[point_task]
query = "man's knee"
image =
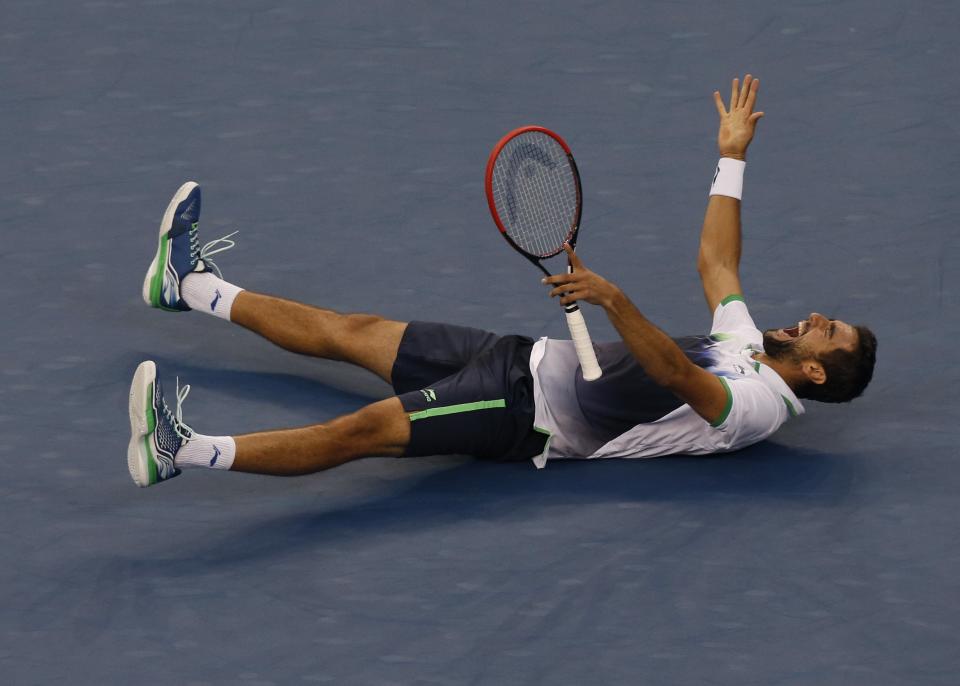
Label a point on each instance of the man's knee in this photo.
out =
(382, 428)
(369, 341)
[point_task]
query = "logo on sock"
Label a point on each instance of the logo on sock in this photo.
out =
(216, 299)
(216, 455)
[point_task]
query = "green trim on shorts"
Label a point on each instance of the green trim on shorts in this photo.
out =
(726, 408)
(731, 298)
(456, 409)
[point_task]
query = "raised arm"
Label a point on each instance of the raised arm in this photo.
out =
(719, 258)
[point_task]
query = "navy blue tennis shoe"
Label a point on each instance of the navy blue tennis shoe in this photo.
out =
(179, 252)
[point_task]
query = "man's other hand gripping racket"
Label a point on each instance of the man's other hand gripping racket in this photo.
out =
(581, 284)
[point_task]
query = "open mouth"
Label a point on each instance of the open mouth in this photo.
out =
(793, 332)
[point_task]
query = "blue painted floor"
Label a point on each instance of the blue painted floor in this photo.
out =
(347, 142)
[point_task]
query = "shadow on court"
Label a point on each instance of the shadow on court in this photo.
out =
(504, 494)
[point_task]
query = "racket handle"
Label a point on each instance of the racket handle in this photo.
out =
(583, 344)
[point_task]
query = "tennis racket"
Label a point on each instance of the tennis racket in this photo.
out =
(533, 190)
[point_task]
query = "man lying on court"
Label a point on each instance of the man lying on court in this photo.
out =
(465, 391)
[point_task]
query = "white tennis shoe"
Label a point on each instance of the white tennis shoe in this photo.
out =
(156, 433)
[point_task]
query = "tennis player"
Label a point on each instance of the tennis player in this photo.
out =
(464, 391)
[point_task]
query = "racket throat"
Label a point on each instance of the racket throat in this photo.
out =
(538, 265)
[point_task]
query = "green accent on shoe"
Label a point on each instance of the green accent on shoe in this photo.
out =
(156, 284)
(151, 465)
(731, 298)
(151, 427)
(726, 408)
(456, 409)
(720, 337)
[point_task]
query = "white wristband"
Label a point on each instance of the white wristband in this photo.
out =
(728, 179)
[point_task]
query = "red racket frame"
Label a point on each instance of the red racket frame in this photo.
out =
(488, 186)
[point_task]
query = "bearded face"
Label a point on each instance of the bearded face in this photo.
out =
(786, 344)
(818, 347)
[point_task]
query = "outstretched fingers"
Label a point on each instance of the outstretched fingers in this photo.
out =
(718, 101)
(752, 94)
(744, 92)
(741, 98)
(737, 123)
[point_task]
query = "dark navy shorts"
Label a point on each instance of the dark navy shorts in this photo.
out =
(468, 392)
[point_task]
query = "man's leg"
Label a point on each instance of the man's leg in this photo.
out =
(362, 339)
(182, 276)
(161, 444)
(381, 429)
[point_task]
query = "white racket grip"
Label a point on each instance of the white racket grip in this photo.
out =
(583, 345)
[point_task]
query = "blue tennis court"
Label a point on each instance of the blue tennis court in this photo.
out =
(347, 143)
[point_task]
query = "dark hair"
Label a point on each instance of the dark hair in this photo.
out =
(848, 371)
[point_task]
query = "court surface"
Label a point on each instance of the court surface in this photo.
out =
(347, 141)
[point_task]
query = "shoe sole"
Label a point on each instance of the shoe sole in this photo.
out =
(143, 422)
(153, 283)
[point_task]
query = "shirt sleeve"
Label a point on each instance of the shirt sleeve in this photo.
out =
(732, 319)
(754, 413)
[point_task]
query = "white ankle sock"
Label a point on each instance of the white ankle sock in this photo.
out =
(213, 452)
(205, 292)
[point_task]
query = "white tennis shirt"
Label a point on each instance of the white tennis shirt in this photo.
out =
(593, 419)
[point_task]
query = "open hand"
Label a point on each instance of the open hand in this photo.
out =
(582, 284)
(739, 123)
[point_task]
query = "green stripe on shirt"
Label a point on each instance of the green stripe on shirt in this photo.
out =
(726, 408)
(731, 298)
(790, 408)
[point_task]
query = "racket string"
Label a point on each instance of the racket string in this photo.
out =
(535, 193)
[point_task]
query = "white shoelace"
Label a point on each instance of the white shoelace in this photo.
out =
(176, 419)
(210, 249)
